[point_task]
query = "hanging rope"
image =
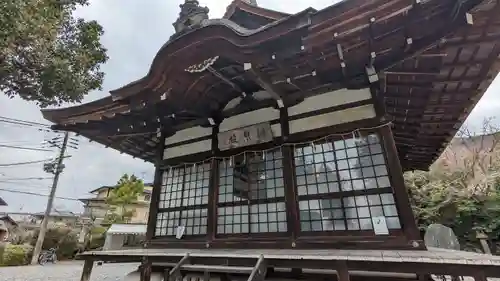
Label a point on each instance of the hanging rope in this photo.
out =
(355, 133)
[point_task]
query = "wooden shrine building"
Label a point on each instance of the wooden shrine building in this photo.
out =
(280, 140)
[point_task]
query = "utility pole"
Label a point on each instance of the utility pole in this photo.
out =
(43, 227)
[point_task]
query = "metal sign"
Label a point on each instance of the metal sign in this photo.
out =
(179, 232)
(255, 134)
(380, 226)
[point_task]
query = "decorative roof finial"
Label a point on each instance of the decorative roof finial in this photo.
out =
(251, 2)
(190, 16)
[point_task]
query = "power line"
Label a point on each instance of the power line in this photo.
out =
(24, 184)
(29, 162)
(36, 194)
(18, 123)
(25, 124)
(21, 142)
(22, 179)
(24, 148)
(24, 121)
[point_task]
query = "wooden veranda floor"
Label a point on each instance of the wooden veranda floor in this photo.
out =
(432, 261)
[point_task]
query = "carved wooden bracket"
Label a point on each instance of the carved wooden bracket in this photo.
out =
(267, 85)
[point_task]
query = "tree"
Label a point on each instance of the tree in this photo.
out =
(123, 197)
(462, 189)
(46, 54)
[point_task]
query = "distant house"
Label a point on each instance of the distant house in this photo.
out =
(120, 236)
(58, 217)
(8, 228)
(97, 208)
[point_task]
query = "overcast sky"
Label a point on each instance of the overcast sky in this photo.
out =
(134, 32)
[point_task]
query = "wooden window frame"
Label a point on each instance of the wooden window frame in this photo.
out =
(182, 207)
(341, 195)
(250, 202)
(294, 238)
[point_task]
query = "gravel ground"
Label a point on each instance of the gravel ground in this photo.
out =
(65, 271)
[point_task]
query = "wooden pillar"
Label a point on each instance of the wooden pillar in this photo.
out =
(155, 195)
(288, 179)
(206, 276)
(175, 273)
(342, 272)
(145, 269)
(480, 277)
(401, 196)
(213, 188)
(87, 270)
(483, 239)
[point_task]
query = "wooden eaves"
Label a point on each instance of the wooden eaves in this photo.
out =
(435, 60)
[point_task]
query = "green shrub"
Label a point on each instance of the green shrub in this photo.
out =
(2, 249)
(62, 238)
(15, 255)
(97, 236)
(68, 247)
(97, 242)
(98, 230)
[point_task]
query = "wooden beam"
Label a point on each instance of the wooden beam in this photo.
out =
(155, 195)
(472, 63)
(225, 80)
(411, 72)
(266, 84)
(470, 42)
(429, 82)
(419, 123)
(213, 188)
(404, 135)
(166, 273)
(259, 271)
(426, 92)
(418, 46)
(414, 113)
(293, 224)
(412, 144)
(342, 272)
(87, 270)
(175, 273)
(480, 276)
(429, 106)
(206, 275)
(145, 270)
(400, 194)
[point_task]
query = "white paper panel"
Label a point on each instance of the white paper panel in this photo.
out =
(330, 99)
(276, 128)
(249, 118)
(187, 149)
(188, 134)
(332, 118)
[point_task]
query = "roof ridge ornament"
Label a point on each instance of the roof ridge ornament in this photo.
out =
(191, 16)
(251, 2)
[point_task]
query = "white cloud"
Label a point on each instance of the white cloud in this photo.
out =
(135, 30)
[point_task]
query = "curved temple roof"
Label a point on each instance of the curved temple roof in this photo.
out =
(434, 59)
(240, 10)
